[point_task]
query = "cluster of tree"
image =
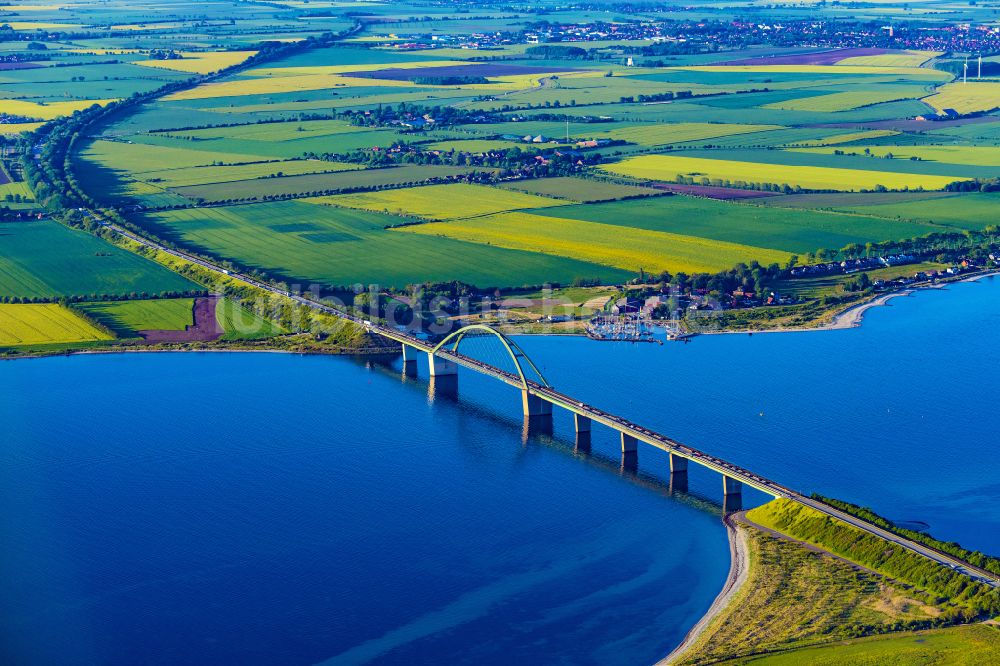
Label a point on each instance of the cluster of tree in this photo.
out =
(861, 282)
(503, 164)
(94, 297)
(973, 557)
(448, 80)
(165, 54)
(444, 116)
(977, 185)
(557, 51)
(656, 97)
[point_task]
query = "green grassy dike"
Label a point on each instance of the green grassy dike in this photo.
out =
(819, 591)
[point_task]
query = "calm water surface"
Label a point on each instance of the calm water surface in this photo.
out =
(266, 508)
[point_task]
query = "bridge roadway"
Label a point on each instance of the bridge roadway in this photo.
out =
(612, 421)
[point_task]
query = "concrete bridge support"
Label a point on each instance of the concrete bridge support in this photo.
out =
(535, 406)
(678, 473)
(732, 498)
(537, 414)
(581, 422)
(630, 453)
(409, 361)
(440, 367)
(442, 386)
(582, 426)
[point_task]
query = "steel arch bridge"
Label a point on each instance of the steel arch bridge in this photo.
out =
(475, 332)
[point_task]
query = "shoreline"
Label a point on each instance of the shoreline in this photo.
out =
(853, 316)
(739, 569)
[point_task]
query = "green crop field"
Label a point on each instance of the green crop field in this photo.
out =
(127, 318)
(958, 154)
(443, 202)
(320, 182)
(626, 248)
(844, 101)
(241, 324)
(44, 323)
(967, 645)
(139, 158)
(46, 259)
(662, 134)
(797, 231)
(671, 167)
(224, 174)
(582, 190)
(308, 242)
(968, 211)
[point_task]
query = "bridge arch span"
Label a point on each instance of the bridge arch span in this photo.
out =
(453, 342)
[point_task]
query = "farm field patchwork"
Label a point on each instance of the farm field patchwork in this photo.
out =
(314, 184)
(671, 167)
(582, 190)
(796, 231)
(44, 323)
(306, 242)
(626, 248)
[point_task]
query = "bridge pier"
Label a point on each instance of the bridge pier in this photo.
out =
(441, 367)
(582, 443)
(731, 486)
(535, 406)
(581, 422)
(678, 473)
(442, 386)
(409, 361)
(629, 444)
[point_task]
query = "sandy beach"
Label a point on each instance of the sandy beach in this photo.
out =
(738, 571)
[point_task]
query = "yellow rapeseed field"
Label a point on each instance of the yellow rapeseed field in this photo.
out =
(622, 247)
(198, 62)
(17, 128)
(670, 167)
(848, 137)
(966, 97)
(971, 155)
(905, 59)
(916, 72)
(44, 323)
(49, 110)
(442, 202)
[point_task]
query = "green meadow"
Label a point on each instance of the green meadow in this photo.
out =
(48, 260)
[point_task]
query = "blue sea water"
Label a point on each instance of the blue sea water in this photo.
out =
(279, 509)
